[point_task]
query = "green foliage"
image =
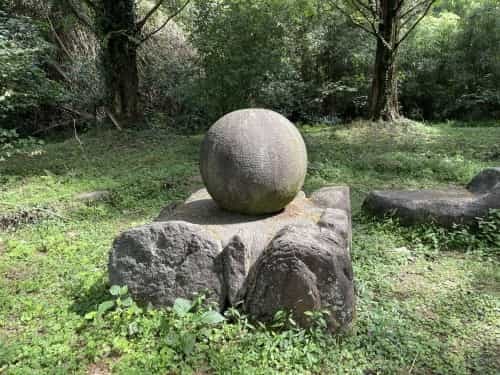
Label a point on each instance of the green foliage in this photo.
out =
(240, 46)
(296, 57)
(481, 238)
(11, 143)
(311, 65)
(449, 66)
(300, 58)
(24, 86)
(489, 229)
(169, 76)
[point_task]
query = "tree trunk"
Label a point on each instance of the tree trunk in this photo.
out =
(121, 78)
(383, 101)
(118, 34)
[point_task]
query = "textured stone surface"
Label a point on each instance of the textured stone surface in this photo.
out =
(163, 261)
(444, 207)
(305, 268)
(236, 263)
(253, 233)
(338, 198)
(485, 182)
(196, 246)
(253, 161)
(333, 197)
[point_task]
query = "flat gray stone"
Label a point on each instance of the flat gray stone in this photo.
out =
(443, 207)
(254, 232)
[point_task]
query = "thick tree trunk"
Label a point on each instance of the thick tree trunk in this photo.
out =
(119, 59)
(121, 79)
(383, 101)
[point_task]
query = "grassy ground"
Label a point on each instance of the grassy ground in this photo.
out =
(428, 300)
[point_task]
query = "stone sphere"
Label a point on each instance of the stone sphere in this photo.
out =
(253, 161)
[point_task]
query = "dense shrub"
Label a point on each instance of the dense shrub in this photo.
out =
(240, 44)
(25, 88)
(300, 58)
(168, 72)
(12, 144)
(451, 65)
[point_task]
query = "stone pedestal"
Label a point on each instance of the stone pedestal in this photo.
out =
(297, 260)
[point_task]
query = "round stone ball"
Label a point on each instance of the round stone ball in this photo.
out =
(253, 161)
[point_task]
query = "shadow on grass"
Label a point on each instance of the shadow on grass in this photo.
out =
(90, 299)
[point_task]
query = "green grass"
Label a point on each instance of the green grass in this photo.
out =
(425, 305)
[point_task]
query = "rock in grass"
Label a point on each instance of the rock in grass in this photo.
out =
(196, 247)
(253, 161)
(485, 182)
(17, 219)
(443, 207)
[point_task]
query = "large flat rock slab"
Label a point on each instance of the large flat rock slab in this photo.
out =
(443, 207)
(196, 247)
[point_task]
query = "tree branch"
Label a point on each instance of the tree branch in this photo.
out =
(56, 125)
(80, 16)
(175, 14)
(374, 7)
(369, 8)
(355, 23)
(84, 115)
(371, 22)
(413, 8)
(359, 6)
(59, 71)
(140, 24)
(113, 118)
(58, 39)
(424, 13)
(399, 5)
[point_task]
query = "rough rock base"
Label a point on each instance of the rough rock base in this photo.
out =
(298, 259)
